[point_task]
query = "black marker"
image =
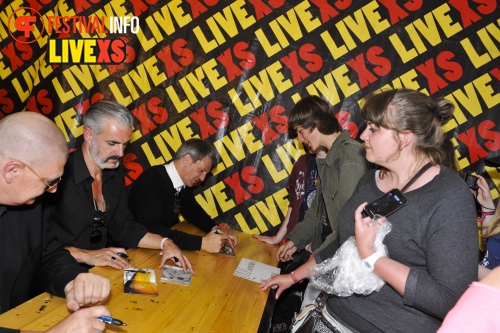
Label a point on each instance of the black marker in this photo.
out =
(112, 321)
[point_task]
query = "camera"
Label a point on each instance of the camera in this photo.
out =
(471, 181)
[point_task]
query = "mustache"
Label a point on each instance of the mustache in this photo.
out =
(112, 157)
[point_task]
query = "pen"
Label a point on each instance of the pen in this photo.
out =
(112, 321)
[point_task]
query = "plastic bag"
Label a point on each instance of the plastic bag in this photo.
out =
(343, 274)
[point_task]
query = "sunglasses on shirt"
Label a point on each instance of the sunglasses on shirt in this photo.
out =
(99, 219)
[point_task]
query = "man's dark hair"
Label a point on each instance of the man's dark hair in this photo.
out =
(313, 112)
(198, 149)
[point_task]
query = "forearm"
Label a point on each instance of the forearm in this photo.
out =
(80, 255)
(393, 273)
(303, 271)
(151, 241)
(283, 228)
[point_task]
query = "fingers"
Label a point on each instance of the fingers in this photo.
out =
(289, 254)
(171, 251)
(280, 252)
(358, 216)
(84, 320)
(188, 264)
(233, 240)
(274, 283)
(109, 257)
(87, 289)
(265, 239)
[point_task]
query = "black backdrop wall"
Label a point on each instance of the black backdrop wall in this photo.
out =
(229, 71)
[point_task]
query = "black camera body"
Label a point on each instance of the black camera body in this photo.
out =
(386, 204)
(471, 181)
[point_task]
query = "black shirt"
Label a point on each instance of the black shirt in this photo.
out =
(73, 218)
(31, 260)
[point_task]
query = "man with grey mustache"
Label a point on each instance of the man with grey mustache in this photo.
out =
(91, 216)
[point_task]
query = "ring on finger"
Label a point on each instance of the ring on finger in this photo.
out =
(113, 258)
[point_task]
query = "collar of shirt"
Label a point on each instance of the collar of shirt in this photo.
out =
(3, 209)
(174, 176)
(81, 171)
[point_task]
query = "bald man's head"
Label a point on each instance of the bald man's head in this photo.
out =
(33, 152)
(31, 138)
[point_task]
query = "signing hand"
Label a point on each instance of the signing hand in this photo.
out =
(214, 241)
(85, 290)
(286, 251)
(172, 251)
(102, 257)
(82, 321)
(281, 282)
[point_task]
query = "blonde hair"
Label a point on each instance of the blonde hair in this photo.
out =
(493, 228)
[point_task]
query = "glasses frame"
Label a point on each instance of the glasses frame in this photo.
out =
(48, 185)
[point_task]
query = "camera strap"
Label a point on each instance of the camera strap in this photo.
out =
(417, 175)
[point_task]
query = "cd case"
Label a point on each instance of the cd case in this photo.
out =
(176, 275)
(140, 281)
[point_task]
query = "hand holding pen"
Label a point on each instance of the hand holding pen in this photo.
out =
(83, 320)
(111, 321)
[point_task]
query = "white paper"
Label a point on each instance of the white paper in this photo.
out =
(255, 271)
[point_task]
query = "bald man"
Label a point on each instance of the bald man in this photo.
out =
(33, 152)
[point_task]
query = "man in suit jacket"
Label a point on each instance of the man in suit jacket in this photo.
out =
(162, 192)
(32, 156)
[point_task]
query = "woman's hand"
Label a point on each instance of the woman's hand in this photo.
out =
(365, 231)
(281, 282)
(483, 193)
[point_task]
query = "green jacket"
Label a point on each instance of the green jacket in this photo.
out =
(338, 175)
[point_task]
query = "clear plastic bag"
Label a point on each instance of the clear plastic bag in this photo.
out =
(343, 274)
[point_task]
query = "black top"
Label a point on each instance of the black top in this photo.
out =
(31, 261)
(73, 218)
(152, 200)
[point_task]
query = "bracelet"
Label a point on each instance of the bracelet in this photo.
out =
(292, 274)
(487, 213)
(217, 227)
(162, 243)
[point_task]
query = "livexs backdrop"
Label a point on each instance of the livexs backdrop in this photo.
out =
(230, 71)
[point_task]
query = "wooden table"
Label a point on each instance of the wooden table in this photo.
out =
(216, 301)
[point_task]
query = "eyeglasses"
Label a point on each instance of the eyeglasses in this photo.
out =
(99, 219)
(178, 202)
(48, 185)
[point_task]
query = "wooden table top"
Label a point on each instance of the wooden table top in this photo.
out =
(216, 301)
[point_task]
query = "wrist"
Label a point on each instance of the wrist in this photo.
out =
(295, 280)
(368, 263)
(162, 244)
